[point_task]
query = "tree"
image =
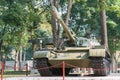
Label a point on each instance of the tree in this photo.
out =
(113, 27)
(69, 7)
(85, 16)
(17, 20)
(104, 36)
(55, 27)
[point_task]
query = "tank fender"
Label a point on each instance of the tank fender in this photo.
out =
(97, 53)
(41, 54)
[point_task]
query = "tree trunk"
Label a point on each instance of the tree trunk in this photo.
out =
(6, 55)
(1, 42)
(24, 58)
(104, 37)
(20, 62)
(54, 31)
(114, 63)
(33, 47)
(68, 11)
(55, 27)
(16, 61)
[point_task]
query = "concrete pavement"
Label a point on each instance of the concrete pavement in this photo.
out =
(112, 76)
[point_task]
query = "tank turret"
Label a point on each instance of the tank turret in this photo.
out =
(72, 38)
(69, 33)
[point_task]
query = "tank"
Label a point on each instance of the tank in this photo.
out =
(78, 51)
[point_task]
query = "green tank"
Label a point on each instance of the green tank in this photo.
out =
(78, 51)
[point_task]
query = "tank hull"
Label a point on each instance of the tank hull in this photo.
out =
(73, 58)
(78, 63)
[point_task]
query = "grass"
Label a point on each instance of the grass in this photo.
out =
(8, 74)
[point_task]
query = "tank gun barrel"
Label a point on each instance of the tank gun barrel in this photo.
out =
(65, 27)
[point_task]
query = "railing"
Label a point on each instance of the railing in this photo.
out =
(63, 64)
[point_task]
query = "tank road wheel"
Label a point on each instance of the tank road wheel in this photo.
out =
(101, 66)
(67, 70)
(42, 63)
(58, 71)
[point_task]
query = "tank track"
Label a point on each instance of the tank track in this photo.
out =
(101, 66)
(42, 63)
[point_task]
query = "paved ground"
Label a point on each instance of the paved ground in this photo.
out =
(112, 76)
(66, 78)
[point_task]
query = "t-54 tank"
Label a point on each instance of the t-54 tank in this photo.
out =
(78, 51)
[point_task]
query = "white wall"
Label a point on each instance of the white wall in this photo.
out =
(10, 65)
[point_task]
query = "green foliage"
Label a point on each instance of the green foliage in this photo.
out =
(12, 15)
(17, 19)
(15, 72)
(40, 33)
(62, 2)
(113, 18)
(85, 14)
(20, 20)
